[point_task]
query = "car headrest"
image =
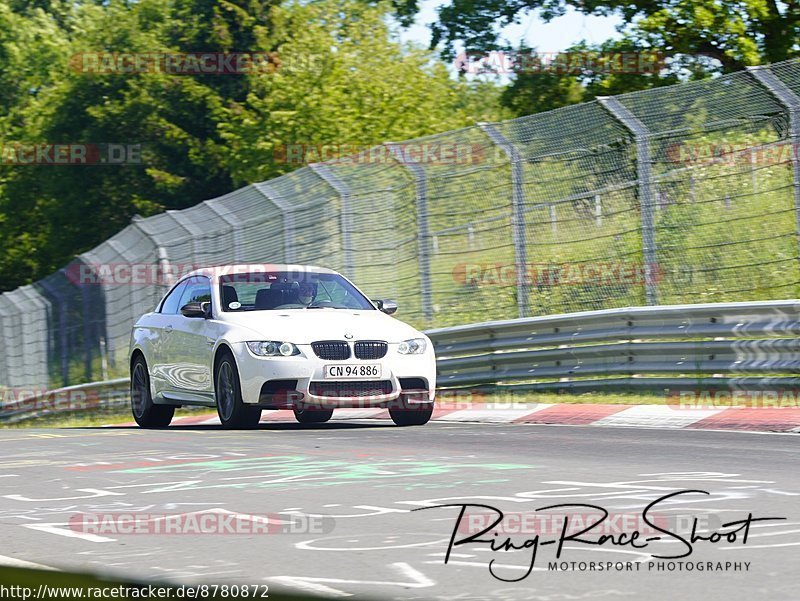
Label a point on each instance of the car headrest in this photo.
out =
(269, 298)
(229, 295)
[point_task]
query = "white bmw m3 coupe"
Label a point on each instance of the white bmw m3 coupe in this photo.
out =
(243, 338)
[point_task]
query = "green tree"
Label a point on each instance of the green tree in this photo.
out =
(50, 213)
(700, 37)
(343, 82)
(32, 56)
(342, 79)
(533, 92)
(734, 33)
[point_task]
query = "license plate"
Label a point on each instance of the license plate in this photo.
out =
(353, 371)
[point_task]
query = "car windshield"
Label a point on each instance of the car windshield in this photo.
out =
(289, 290)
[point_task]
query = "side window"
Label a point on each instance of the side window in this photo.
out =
(198, 290)
(171, 304)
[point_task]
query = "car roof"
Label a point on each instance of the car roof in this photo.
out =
(220, 270)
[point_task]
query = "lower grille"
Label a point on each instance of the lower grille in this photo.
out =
(356, 388)
(331, 350)
(371, 349)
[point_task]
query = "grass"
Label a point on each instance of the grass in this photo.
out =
(88, 419)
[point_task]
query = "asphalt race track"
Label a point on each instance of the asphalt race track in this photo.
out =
(364, 478)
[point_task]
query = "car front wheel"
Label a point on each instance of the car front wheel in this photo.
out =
(232, 411)
(411, 414)
(146, 413)
(304, 415)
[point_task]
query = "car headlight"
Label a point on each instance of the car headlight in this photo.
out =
(273, 348)
(415, 346)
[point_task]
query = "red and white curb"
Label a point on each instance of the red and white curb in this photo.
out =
(769, 419)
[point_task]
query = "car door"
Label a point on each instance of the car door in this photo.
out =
(161, 325)
(189, 346)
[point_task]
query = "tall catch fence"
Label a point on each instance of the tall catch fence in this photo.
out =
(683, 194)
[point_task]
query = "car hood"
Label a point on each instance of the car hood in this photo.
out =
(303, 326)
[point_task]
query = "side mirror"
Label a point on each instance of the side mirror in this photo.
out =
(387, 306)
(196, 310)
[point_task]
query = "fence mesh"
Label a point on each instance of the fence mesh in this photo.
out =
(681, 194)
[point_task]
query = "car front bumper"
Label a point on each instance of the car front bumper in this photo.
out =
(255, 372)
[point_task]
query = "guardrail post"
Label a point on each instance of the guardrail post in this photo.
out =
(791, 101)
(424, 237)
(645, 187)
(324, 173)
(517, 213)
(288, 219)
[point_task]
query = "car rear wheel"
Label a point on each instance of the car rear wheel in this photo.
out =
(411, 414)
(304, 415)
(146, 413)
(232, 411)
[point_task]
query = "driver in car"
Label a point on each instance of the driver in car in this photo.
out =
(306, 293)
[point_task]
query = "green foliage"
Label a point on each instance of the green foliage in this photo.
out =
(341, 83)
(341, 79)
(701, 37)
(734, 33)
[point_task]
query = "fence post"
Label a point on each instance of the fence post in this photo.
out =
(87, 333)
(325, 174)
(37, 342)
(167, 277)
(288, 218)
(235, 230)
(15, 361)
(644, 179)
(424, 239)
(61, 307)
(5, 377)
(517, 213)
(193, 232)
(791, 101)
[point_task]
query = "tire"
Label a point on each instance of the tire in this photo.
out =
(312, 416)
(411, 414)
(146, 413)
(233, 412)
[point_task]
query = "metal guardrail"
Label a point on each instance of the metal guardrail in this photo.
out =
(721, 345)
(21, 404)
(748, 345)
